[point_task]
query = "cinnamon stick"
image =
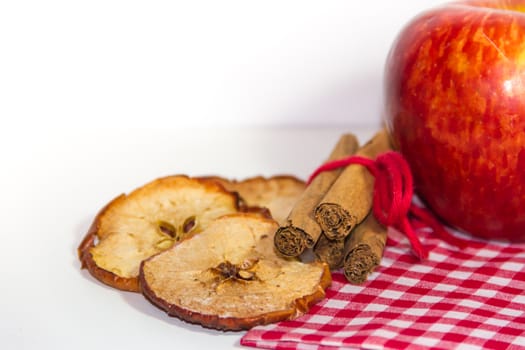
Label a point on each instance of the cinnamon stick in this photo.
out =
(302, 230)
(364, 250)
(330, 251)
(349, 199)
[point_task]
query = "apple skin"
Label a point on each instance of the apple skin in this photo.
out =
(454, 104)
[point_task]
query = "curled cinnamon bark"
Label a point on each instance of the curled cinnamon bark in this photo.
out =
(290, 240)
(330, 251)
(301, 230)
(364, 249)
(349, 199)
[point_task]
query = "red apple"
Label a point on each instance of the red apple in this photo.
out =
(454, 103)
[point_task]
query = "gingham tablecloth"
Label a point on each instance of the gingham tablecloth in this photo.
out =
(471, 298)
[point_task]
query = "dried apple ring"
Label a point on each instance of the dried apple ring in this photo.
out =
(149, 220)
(229, 277)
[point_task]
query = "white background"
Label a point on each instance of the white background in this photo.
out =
(100, 97)
(196, 63)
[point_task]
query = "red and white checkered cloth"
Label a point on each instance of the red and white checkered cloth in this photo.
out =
(471, 298)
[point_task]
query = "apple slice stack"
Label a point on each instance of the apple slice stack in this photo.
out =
(204, 253)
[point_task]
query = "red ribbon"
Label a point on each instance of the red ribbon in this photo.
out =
(393, 192)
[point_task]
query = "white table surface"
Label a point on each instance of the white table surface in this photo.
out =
(52, 184)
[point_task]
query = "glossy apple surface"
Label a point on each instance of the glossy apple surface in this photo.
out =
(454, 103)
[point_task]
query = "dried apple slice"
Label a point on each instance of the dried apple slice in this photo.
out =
(278, 193)
(147, 221)
(229, 277)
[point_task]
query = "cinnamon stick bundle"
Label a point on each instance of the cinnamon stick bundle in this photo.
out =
(349, 199)
(302, 230)
(364, 249)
